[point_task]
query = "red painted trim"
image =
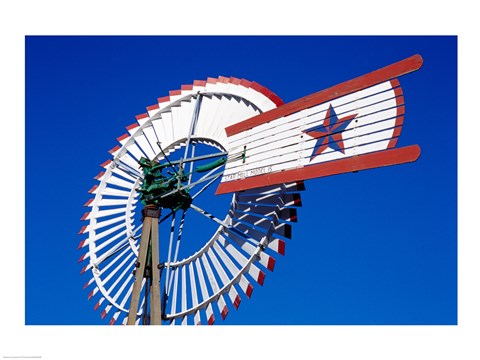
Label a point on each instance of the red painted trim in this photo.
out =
(223, 80)
(237, 301)
(224, 312)
(99, 175)
(276, 99)
(141, 116)
(257, 87)
(281, 247)
(245, 83)
(112, 322)
(116, 148)
(398, 91)
(350, 164)
(134, 125)
(395, 83)
(123, 137)
(261, 277)
(106, 163)
(104, 313)
(80, 246)
(378, 76)
(211, 80)
(84, 217)
(163, 99)
(211, 320)
(400, 112)
(88, 203)
(293, 215)
(234, 80)
(175, 92)
(397, 130)
(92, 190)
(153, 107)
(97, 305)
(90, 295)
(83, 270)
(186, 87)
(199, 83)
(271, 263)
(82, 230)
(249, 290)
(81, 258)
(297, 200)
(86, 285)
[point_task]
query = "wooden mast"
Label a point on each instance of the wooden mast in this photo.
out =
(151, 274)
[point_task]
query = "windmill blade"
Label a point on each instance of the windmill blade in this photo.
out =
(211, 280)
(349, 127)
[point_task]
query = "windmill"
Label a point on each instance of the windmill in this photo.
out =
(238, 138)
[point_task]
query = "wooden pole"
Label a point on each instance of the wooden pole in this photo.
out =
(155, 305)
(149, 237)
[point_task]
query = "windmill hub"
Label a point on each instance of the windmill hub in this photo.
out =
(163, 191)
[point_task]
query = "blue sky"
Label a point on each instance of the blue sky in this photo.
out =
(375, 247)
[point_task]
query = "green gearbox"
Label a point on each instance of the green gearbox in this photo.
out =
(163, 191)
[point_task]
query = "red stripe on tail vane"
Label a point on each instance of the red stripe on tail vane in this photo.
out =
(82, 230)
(350, 164)
(84, 217)
(211, 320)
(94, 187)
(376, 77)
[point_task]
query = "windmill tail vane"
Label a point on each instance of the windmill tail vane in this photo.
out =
(349, 127)
(239, 136)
